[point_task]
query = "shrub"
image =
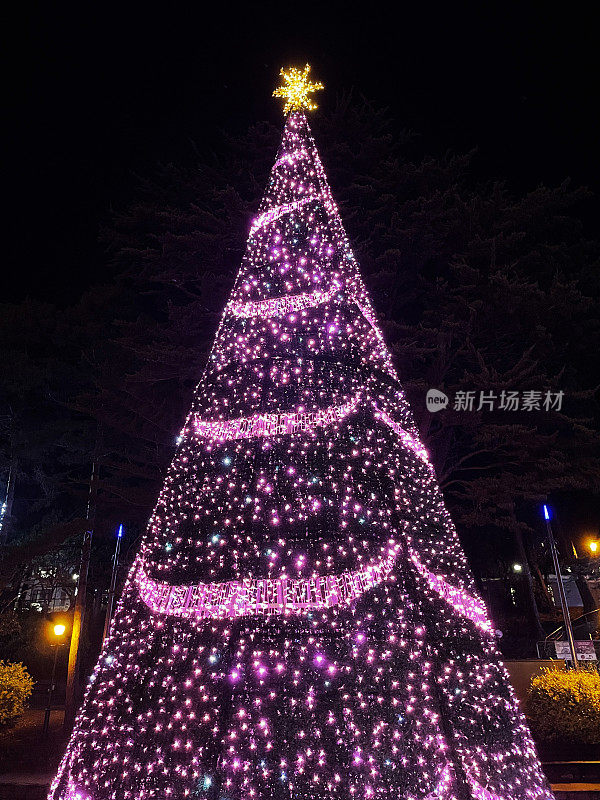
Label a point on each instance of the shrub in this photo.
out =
(565, 705)
(16, 686)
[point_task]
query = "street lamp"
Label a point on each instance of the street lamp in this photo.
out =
(113, 584)
(58, 630)
(561, 587)
(593, 547)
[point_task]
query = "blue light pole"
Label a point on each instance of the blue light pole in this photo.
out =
(113, 583)
(561, 587)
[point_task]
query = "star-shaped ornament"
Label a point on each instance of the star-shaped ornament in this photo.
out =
(297, 89)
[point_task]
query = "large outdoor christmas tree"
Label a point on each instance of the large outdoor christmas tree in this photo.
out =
(300, 621)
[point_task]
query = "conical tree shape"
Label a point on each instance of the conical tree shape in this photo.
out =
(300, 621)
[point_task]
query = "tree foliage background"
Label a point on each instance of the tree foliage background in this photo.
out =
(476, 289)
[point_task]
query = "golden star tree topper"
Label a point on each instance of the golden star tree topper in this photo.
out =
(297, 89)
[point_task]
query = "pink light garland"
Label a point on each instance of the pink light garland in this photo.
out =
(479, 793)
(275, 424)
(279, 211)
(290, 158)
(370, 317)
(465, 604)
(406, 438)
(260, 595)
(283, 305)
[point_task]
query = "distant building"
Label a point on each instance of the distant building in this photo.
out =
(573, 597)
(45, 591)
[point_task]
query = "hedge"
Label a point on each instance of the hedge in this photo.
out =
(565, 705)
(16, 686)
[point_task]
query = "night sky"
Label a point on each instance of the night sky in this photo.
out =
(98, 97)
(101, 95)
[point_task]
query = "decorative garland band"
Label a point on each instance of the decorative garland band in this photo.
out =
(407, 439)
(462, 602)
(287, 595)
(274, 213)
(279, 306)
(275, 424)
(280, 423)
(370, 317)
(289, 158)
(254, 596)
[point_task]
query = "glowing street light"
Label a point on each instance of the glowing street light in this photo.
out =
(561, 587)
(593, 547)
(58, 631)
(517, 567)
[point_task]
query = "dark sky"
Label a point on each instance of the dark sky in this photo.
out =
(96, 95)
(99, 96)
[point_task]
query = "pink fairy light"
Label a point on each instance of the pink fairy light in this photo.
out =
(406, 438)
(480, 793)
(280, 306)
(465, 604)
(275, 424)
(443, 789)
(369, 316)
(275, 213)
(74, 793)
(291, 158)
(260, 596)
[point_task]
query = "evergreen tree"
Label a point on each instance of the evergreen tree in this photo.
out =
(300, 620)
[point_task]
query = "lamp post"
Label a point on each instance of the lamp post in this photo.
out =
(59, 630)
(80, 597)
(113, 583)
(561, 587)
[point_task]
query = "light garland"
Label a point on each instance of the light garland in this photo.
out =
(480, 793)
(260, 596)
(283, 305)
(462, 602)
(300, 620)
(276, 424)
(279, 211)
(443, 788)
(409, 441)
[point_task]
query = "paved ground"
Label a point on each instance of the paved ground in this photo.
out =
(24, 751)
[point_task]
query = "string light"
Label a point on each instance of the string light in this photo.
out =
(300, 620)
(297, 89)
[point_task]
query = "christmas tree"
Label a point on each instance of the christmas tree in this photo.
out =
(300, 620)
